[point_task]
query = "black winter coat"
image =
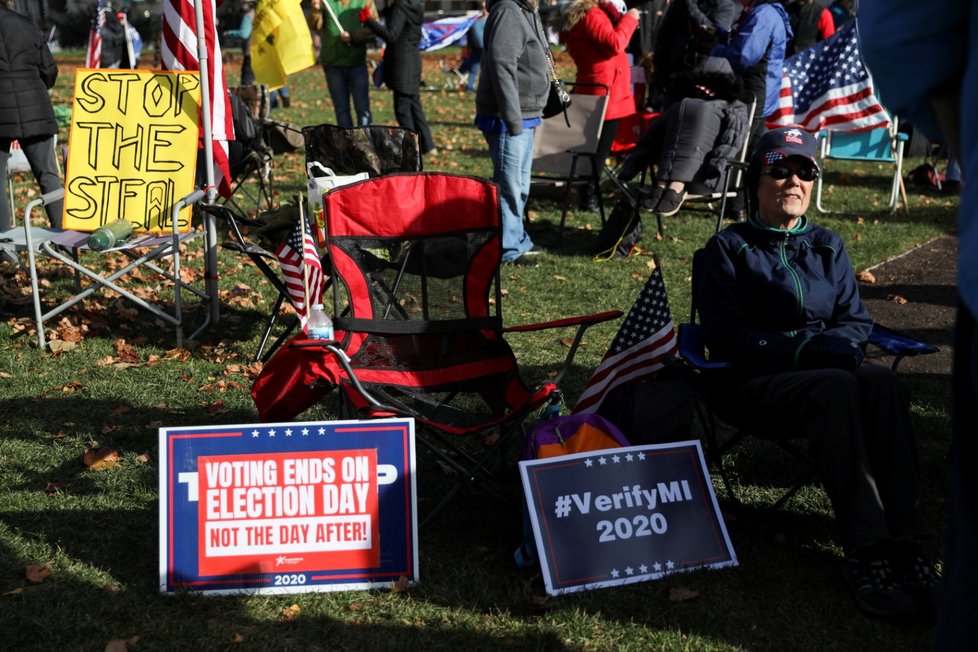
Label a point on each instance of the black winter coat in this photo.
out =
(402, 56)
(27, 71)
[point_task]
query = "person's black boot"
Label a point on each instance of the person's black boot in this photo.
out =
(589, 200)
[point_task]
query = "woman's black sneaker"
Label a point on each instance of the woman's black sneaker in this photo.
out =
(670, 203)
(875, 587)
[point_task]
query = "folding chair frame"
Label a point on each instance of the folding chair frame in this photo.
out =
(867, 151)
(260, 257)
(54, 243)
(591, 110)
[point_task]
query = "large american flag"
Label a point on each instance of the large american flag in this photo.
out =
(180, 53)
(298, 256)
(93, 51)
(643, 341)
(827, 86)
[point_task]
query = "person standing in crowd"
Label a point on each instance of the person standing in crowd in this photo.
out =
(756, 50)
(843, 12)
(474, 39)
(596, 33)
(343, 55)
(924, 58)
(27, 71)
(811, 23)
(689, 30)
(513, 90)
(114, 42)
(244, 33)
(402, 62)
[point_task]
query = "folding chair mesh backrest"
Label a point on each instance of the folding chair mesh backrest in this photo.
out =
(375, 149)
(415, 263)
(417, 257)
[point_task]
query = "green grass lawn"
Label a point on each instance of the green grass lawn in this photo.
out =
(121, 381)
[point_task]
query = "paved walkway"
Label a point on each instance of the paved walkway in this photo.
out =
(916, 293)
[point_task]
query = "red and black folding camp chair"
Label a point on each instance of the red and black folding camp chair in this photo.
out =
(415, 257)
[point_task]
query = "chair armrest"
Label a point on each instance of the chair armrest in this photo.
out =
(582, 323)
(585, 320)
(898, 345)
(693, 351)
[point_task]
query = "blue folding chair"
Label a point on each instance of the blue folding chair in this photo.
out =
(883, 145)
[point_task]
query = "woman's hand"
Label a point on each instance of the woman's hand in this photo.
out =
(345, 37)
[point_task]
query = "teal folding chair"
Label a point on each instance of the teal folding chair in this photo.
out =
(883, 145)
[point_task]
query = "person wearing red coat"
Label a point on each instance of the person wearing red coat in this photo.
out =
(596, 33)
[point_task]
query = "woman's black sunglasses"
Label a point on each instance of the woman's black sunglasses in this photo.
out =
(781, 172)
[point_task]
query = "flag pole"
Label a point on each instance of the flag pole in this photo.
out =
(210, 226)
(332, 14)
(302, 246)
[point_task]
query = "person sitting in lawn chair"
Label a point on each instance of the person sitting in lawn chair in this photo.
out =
(778, 299)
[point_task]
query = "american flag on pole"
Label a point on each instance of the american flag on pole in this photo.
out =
(180, 53)
(827, 86)
(93, 51)
(643, 341)
(297, 255)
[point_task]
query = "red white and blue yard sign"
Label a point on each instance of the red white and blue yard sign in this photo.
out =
(288, 507)
(624, 515)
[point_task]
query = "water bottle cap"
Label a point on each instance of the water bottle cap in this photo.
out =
(317, 306)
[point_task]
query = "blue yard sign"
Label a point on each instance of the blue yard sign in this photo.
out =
(624, 515)
(288, 507)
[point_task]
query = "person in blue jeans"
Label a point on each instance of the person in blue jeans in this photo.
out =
(473, 61)
(343, 55)
(509, 103)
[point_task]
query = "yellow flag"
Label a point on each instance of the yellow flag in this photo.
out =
(280, 41)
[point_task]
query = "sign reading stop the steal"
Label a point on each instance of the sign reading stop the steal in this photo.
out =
(287, 507)
(624, 515)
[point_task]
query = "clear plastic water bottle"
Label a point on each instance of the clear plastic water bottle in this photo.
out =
(318, 325)
(109, 235)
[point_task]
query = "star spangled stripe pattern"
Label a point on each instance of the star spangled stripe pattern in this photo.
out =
(827, 86)
(295, 254)
(93, 51)
(180, 53)
(644, 340)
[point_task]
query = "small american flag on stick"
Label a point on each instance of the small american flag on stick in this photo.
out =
(298, 257)
(827, 86)
(643, 341)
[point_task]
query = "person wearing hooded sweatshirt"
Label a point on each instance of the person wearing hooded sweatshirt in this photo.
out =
(513, 88)
(402, 62)
(27, 71)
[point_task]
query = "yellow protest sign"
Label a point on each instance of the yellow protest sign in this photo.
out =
(280, 41)
(132, 152)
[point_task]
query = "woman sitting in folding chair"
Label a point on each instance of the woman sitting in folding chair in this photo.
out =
(688, 148)
(778, 299)
(696, 137)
